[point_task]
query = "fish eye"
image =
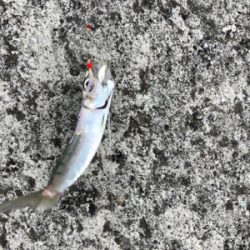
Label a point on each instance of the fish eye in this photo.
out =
(87, 86)
(86, 83)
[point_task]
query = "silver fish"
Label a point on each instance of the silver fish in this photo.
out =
(97, 94)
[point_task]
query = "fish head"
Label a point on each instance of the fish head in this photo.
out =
(98, 85)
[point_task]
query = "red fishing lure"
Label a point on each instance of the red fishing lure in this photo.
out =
(89, 64)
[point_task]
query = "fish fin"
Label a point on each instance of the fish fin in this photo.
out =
(33, 200)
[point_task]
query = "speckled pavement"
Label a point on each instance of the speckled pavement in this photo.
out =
(177, 173)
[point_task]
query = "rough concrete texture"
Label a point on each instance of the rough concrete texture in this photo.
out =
(177, 173)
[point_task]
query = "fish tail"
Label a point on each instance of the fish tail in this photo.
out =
(33, 200)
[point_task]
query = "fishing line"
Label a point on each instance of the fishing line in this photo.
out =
(111, 181)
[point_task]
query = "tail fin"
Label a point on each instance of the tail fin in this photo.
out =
(33, 200)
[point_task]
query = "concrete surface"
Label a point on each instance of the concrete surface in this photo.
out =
(177, 173)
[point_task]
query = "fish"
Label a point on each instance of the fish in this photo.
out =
(98, 86)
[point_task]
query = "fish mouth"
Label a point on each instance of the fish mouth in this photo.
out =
(108, 74)
(101, 71)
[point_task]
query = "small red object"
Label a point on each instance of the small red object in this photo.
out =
(89, 64)
(89, 26)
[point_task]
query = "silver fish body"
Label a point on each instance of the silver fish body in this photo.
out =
(81, 150)
(97, 95)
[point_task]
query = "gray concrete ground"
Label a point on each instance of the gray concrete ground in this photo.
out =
(177, 174)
